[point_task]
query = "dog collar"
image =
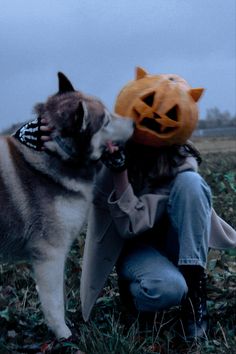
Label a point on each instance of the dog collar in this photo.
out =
(66, 148)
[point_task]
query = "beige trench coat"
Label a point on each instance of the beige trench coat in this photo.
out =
(109, 224)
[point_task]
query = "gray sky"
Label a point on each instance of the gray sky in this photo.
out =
(98, 43)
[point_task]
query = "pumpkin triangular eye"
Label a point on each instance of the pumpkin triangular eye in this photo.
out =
(149, 99)
(173, 113)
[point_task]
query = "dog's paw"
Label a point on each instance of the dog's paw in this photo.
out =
(62, 346)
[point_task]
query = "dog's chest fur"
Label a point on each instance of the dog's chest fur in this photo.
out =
(71, 212)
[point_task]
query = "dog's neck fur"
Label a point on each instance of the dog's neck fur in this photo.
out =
(69, 173)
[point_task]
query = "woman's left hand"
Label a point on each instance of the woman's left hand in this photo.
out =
(34, 134)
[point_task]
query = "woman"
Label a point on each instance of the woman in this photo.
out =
(151, 214)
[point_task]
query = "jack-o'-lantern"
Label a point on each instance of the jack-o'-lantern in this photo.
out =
(163, 107)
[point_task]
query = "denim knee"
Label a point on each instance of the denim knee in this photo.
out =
(152, 295)
(189, 187)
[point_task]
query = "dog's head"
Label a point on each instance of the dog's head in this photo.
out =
(82, 125)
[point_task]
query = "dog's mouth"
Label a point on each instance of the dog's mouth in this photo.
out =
(111, 146)
(108, 147)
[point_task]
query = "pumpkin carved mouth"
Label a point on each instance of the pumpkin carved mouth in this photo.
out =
(151, 124)
(155, 126)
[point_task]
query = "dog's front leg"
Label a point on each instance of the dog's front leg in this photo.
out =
(49, 276)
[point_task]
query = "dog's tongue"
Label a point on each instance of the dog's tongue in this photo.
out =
(111, 147)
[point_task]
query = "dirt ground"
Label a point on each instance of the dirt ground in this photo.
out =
(214, 145)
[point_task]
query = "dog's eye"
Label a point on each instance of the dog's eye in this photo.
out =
(106, 123)
(106, 120)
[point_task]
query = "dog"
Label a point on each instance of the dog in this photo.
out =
(45, 196)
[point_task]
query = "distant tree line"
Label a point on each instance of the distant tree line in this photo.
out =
(214, 119)
(217, 119)
(12, 128)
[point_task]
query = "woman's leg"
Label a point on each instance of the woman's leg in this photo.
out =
(153, 282)
(189, 211)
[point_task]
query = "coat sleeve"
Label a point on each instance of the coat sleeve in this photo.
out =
(222, 235)
(132, 215)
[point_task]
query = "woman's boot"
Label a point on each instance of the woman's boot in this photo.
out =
(194, 308)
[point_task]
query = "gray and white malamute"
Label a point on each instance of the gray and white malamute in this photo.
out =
(44, 196)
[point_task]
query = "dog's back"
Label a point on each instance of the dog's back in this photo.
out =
(15, 208)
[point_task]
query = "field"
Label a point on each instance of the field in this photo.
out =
(215, 145)
(111, 329)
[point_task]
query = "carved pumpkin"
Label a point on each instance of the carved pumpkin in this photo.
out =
(163, 107)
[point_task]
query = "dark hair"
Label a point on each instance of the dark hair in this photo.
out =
(150, 167)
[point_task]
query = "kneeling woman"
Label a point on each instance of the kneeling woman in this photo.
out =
(151, 213)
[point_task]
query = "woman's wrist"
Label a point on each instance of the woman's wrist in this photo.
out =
(121, 182)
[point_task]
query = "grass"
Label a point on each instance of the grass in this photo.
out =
(111, 329)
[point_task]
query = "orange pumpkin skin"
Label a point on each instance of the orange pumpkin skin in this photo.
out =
(163, 107)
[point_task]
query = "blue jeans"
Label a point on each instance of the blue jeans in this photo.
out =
(151, 269)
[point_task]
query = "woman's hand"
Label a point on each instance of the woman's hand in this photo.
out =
(114, 157)
(34, 134)
(45, 131)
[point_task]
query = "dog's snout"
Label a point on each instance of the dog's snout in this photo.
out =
(132, 124)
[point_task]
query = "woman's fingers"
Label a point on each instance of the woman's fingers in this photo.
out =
(45, 138)
(45, 128)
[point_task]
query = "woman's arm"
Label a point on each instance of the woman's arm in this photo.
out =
(121, 183)
(134, 215)
(131, 215)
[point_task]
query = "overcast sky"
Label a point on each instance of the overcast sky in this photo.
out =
(98, 44)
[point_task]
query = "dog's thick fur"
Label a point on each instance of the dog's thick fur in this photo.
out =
(45, 196)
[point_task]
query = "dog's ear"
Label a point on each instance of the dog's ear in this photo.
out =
(64, 84)
(80, 117)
